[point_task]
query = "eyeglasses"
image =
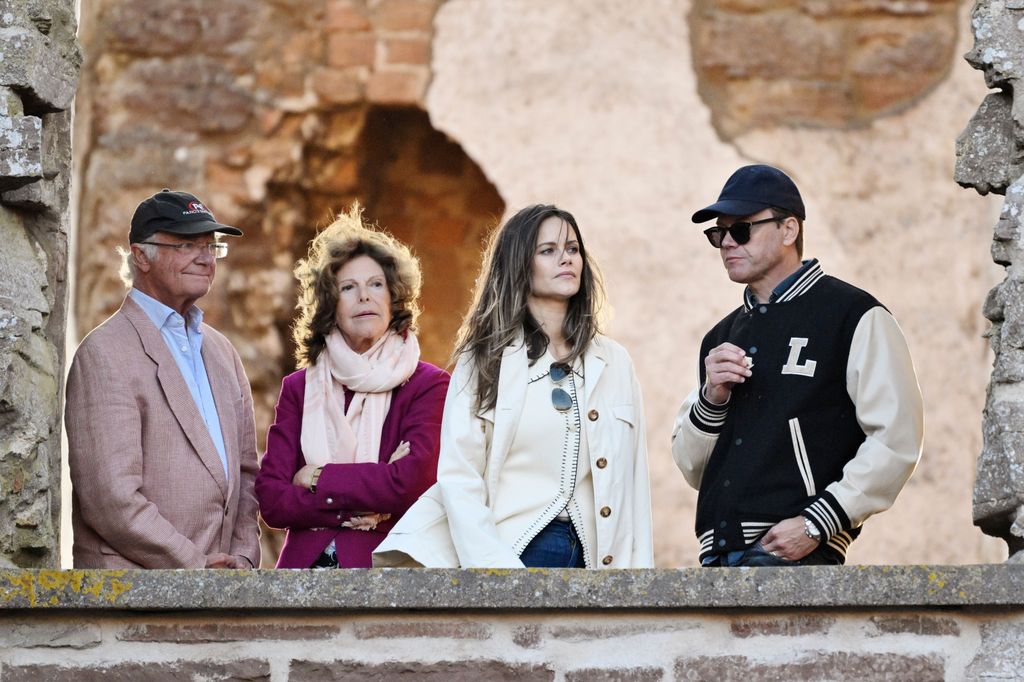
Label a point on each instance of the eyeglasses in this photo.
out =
(560, 398)
(740, 231)
(192, 249)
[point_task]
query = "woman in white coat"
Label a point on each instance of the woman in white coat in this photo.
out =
(543, 458)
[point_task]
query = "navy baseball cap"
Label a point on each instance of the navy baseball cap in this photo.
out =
(751, 189)
(177, 213)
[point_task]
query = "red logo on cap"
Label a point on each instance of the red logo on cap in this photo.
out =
(196, 207)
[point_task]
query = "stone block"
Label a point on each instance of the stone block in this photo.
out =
(988, 155)
(50, 634)
(414, 51)
(1001, 651)
(837, 667)
(346, 15)
(171, 28)
(463, 671)
(49, 195)
(345, 50)
(190, 633)
(426, 629)
(615, 675)
(811, 50)
(397, 87)
(45, 76)
(404, 15)
(249, 670)
(21, 151)
(527, 636)
(915, 625)
(794, 626)
(192, 93)
(585, 633)
(901, 8)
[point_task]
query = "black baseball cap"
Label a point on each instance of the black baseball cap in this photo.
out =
(177, 213)
(751, 189)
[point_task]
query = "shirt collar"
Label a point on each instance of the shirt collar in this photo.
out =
(160, 312)
(791, 287)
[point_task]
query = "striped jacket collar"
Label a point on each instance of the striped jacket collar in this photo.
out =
(797, 284)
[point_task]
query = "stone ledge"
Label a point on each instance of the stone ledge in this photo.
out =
(855, 587)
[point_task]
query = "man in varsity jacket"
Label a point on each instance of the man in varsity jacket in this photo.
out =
(808, 418)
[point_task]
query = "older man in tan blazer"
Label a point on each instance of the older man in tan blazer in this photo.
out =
(159, 414)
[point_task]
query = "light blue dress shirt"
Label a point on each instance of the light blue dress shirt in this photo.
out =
(185, 342)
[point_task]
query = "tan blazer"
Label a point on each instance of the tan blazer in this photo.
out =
(149, 488)
(459, 523)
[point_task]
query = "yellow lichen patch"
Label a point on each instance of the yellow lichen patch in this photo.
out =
(494, 571)
(22, 587)
(44, 588)
(933, 577)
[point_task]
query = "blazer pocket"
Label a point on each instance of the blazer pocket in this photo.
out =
(625, 413)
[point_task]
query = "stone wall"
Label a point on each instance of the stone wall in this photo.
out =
(990, 158)
(856, 624)
(39, 63)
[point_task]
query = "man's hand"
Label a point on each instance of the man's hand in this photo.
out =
(221, 560)
(304, 476)
(787, 539)
(726, 365)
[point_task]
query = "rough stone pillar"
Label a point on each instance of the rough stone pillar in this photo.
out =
(990, 158)
(39, 64)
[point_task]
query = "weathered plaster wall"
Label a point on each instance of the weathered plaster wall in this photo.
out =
(39, 64)
(596, 107)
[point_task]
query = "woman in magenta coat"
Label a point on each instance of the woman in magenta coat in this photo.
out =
(355, 438)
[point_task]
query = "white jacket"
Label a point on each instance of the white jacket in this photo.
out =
(453, 523)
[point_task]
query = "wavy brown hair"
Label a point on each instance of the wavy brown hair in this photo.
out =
(499, 313)
(346, 238)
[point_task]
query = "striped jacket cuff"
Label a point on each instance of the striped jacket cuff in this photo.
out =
(707, 416)
(828, 516)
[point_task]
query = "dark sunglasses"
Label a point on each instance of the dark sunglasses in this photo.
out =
(740, 231)
(560, 398)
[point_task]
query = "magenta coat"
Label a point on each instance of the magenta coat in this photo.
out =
(314, 519)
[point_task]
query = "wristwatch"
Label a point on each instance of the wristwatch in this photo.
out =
(810, 530)
(314, 478)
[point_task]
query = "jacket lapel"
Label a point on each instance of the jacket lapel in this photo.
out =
(512, 381)
(179, 398)
(593, 366)
(221, 372)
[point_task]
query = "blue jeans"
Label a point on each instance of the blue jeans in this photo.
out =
(755, 555)
(557, 546)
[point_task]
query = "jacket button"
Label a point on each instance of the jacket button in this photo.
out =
(606, 512)
(607, 560)
(593, 415)
(602, 463)
(329, 500)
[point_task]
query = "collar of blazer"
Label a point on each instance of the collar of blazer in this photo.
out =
(179, 398)
(512, 381)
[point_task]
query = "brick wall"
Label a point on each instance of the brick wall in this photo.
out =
(927, 623)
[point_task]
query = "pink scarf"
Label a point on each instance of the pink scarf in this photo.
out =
(329, 434)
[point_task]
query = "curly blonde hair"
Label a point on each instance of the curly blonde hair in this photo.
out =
(346, 238)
